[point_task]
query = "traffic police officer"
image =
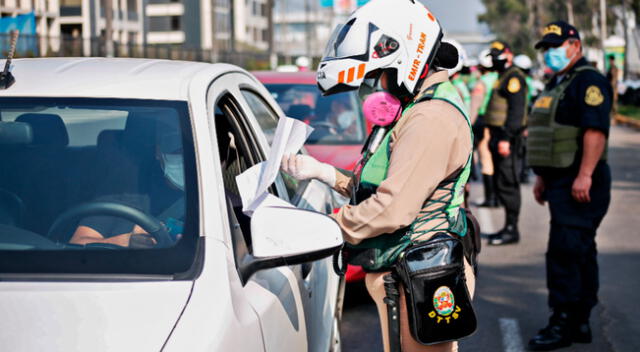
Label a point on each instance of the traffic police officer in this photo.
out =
(567, 145)
(506, 118)
(408, 188)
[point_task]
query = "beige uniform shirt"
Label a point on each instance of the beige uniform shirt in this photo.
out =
(429, 143)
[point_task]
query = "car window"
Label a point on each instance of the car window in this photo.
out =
(96, 175)
(267, 118)
(336, 119)
(237, 154)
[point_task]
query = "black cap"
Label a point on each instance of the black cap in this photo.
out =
(497, 47)
(555, 33)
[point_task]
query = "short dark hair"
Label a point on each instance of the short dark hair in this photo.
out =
(612, 57)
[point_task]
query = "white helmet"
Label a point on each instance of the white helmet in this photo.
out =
(485, 59)
(303, 61)
(383, 34)
(522, 61)
(462, 57)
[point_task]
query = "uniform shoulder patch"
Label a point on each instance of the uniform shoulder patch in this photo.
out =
(593, 96)
(514, 85)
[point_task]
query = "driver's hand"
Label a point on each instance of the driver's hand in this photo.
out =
(139, 240)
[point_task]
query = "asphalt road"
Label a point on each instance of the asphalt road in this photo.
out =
(511, 288)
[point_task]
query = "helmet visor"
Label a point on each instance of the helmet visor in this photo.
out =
(350, 40)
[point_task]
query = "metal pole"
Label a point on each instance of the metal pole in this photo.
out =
(603, 29)
(570, 12)
(307, 27)
(273, 61)
(625, 69)
(108, 29)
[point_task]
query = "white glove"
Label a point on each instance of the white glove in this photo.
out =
(304, 167)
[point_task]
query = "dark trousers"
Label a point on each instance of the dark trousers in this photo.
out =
(572, 269)
(506, 174)
(572, 266)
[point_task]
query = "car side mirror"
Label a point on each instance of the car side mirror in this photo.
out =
(287, 236)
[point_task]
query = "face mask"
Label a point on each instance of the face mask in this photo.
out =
(173, 168)
(556, 58)
(345, 119)
(381, 108)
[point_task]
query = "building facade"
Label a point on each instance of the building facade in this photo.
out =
(302, 27)
(251, 24)
(84, 21)
(191, 24)
(47, 18)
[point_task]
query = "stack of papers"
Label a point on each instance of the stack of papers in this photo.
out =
(254, 183)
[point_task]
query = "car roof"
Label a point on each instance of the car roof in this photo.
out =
(108, 77)
(273, 77)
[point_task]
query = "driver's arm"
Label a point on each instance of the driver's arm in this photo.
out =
(85, 234)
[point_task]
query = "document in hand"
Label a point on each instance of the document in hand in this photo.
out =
(254, 183)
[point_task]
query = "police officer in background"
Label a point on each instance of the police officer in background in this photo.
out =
(568, 130)
(506, 118)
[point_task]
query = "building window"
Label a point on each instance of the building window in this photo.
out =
(254, 8)
(175, 23)
(263, 9)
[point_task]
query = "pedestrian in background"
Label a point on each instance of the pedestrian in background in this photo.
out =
(480, 97)
(506, 118)
(568, 131)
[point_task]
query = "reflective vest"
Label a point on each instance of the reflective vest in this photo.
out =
(464, 92)
(488, 79)
(530, 88)
(496, 114)
(551, 144)
(386, 248)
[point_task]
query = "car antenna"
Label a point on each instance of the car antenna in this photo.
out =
(6, 78)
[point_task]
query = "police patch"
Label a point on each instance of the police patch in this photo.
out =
(514, 85)
(593, 96)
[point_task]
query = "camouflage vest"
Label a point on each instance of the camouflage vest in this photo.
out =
(551, 144)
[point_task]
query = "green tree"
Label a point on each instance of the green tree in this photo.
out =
(520, 22)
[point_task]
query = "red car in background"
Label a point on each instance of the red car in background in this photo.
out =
(340, 128)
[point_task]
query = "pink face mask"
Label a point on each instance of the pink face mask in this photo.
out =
(381, 108)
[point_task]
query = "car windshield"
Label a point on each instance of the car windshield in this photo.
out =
(337, 119)
(96, 185)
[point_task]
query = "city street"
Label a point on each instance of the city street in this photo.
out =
(511, 292)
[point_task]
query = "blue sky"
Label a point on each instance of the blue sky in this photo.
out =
(458, 16)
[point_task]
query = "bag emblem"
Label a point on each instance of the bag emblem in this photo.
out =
(443, 301)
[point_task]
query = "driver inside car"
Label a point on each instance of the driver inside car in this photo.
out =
(336, 118)
(163, 198)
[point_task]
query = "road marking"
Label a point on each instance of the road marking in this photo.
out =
(511, 340)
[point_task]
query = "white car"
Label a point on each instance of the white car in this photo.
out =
(90, 147)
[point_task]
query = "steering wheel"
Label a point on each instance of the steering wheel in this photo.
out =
(16, 206)
(153, 226)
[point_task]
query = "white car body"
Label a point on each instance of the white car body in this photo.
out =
(288, 308)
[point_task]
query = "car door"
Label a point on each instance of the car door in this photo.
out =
(274, 294)
(318, 283)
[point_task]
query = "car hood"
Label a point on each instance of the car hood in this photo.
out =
(342, 156)
(89, 316)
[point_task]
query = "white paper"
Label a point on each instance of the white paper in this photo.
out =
(254, 183)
